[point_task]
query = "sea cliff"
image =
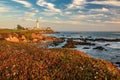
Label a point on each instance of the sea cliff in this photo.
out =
(21, 60)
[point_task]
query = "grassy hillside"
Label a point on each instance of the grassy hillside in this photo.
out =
(20, 61)
(9, 30)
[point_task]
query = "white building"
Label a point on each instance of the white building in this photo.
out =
(37, 24)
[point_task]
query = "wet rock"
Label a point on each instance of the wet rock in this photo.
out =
(99, 48)
(70, 44)
(58, 41)
(81, 36)
(117, 62)
(117, 55)
(84, 43)
(89, 36)
(107, 44)
(101, 39)
(86, 48)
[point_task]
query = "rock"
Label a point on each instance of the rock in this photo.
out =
(86, 48)
(84, 43)
(35, 40)
(89, 36)
(1, 37)
(117, 62)
(12, 39)
(70, 44)
(23, 38)
(99, 48)
(58, 41)
(107, 44)
(36, 35)
(102, 39)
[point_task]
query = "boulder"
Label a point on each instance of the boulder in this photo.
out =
(84, 43)
(12, 39)
(35, 40)
(107, 44)
(36, 35)
(23, 38)
(1, 37)
(99, 48)
(86, 48)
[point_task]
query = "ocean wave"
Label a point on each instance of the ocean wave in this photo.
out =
(115, 45)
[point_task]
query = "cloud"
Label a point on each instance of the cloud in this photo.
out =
(113, 22)
(25, 19)
(30, 14)
(76, 4)
(100, 10)
(25, 3)
(48, 5)
(2, 9)
(107, 2)
(56, 17)
(48, 13)
(68, 13)
(62, 22)
(36, 11)
(90, 16)
(28, 19)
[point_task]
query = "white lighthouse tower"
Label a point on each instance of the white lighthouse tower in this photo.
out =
(37, 25)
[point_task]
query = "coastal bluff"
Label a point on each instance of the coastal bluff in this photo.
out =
(33, 37)
(21, 61)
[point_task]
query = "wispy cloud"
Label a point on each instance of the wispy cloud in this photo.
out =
(62, 22)
(68, 12)
(25, 3)
(62, 12)
(112, 22)
(76, 4)
(3, 9)
(48, 5)
(100, 10)
(84, 17)
(107, 2)
(30, 14)
(26, 19)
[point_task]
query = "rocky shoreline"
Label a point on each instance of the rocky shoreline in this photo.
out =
(42, 41)
(22, 61)
(30, 52)
(87, 43)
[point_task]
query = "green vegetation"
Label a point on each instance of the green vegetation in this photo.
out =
(19, 27)
(26, 33)
(16, 31)
(22, 61)
(9, 30)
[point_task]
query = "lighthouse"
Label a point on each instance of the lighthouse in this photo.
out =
(37, 24)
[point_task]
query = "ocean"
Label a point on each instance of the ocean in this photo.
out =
(112, 48)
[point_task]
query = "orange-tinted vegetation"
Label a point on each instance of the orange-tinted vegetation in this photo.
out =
(21, 61)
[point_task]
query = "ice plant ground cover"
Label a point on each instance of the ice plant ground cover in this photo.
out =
(23, 61)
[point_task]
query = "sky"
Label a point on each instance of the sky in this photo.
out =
(62, 15)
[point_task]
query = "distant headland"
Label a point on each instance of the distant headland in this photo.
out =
(36, 27)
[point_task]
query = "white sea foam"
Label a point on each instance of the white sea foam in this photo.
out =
(115, 45)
